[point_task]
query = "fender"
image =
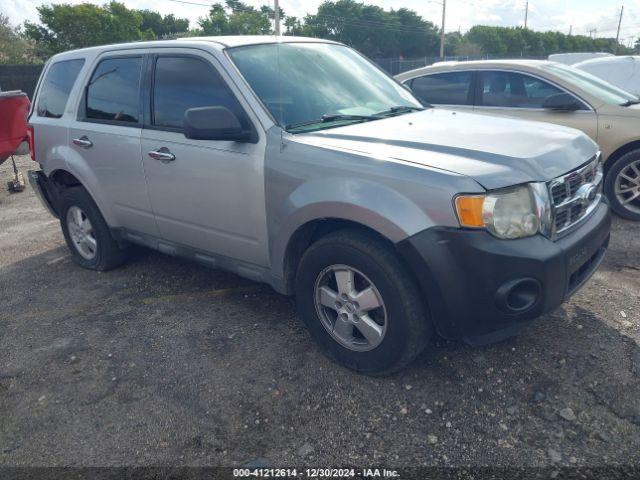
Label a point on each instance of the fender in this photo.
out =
(373, 205)
(64, 158)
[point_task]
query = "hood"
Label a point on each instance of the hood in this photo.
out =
(495, 151)
(630, 113)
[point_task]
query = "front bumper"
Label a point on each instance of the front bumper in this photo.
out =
(482, 289)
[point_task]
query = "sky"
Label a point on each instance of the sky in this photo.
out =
(578, 15)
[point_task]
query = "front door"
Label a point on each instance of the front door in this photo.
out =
(208, 195)
(522, 96)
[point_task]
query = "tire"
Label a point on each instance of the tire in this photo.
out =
(628, 165)
(402, 316)
(107, 253)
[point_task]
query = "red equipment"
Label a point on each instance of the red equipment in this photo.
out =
(14, 108)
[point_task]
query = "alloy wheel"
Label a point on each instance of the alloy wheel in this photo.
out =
(350, 307)
(627, 187)
(81, 233)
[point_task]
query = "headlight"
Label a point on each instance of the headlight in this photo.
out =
(509, 213)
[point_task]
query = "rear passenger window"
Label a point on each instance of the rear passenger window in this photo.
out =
(56, 86)
(113, 93)
(182, 83)
(450, 88)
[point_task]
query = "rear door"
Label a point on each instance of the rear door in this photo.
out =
(452, 90)
(105, 140)
(210, 195)
(521, 95)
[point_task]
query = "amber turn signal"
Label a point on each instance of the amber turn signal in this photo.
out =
(469, 209)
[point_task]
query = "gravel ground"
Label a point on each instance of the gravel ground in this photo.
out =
(166, 362)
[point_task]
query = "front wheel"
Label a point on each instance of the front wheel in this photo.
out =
(360, 304)
(622, 186)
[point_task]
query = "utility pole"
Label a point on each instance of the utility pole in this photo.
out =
(444, 8)
(276, 17)
(593, 32)
(570, 29)
(526, 14)
(619, 23)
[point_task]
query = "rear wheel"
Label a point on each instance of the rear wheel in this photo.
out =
(360, 304)
(622, 186)
(86, 232)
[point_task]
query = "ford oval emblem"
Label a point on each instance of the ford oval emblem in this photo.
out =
(587, 193)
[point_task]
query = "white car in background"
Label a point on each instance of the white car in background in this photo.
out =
(623, 72)
(573, 58)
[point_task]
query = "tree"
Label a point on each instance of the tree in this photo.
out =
(452, 41)
(372, 30)
(236, 18)
(14, 49)
(293, 26)
(162, 27)
(65, 27)
(468, 49)
(518, 41)
(416, 36)
(490, 39)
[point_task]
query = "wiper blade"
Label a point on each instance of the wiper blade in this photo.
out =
(402, 108)
(399, 109)
(331, 118)
(630, 102)
(365, 118)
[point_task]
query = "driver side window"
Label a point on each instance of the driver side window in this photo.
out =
(514, 90)
(184, 82)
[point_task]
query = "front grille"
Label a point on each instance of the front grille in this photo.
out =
(575, 195)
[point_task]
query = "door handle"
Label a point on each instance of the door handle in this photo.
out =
(83, 142)
(163, 154)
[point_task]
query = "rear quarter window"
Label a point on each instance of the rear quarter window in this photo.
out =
(451, 88)
(56, 87)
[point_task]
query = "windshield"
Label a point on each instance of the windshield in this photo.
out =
(591, 84)
(311, 86)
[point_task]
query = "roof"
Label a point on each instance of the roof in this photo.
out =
(474, 64)
(613, 60)
(222, 41)
(242, 40)
(491, 63)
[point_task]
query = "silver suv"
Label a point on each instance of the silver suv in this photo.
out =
(298, 163)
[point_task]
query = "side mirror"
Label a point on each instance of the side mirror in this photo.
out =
(214, 123)
(561, 101)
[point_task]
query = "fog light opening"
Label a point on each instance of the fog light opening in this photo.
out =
(519, 295)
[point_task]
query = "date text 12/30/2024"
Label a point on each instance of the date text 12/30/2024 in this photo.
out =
(315, 473)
